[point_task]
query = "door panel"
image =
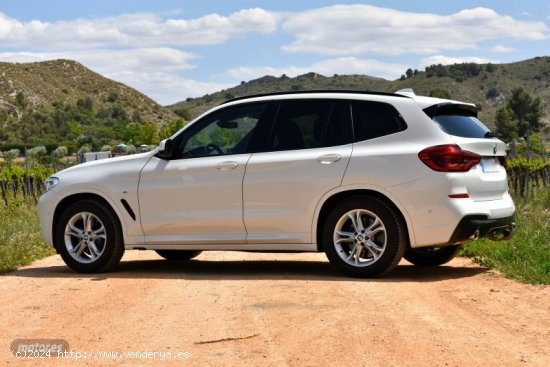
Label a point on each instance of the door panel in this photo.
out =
(196, 196)
(282, 189)
(306, 156)
(193, 200)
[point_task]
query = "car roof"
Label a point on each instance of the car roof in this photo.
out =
(322, 91)
(422, 101)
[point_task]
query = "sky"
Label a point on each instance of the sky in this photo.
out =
(171, 50)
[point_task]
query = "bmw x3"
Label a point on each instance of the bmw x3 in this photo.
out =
(367, 178)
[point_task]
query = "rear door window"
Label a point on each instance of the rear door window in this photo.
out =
(307, 124)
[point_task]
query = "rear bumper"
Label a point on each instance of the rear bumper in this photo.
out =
(472, 227)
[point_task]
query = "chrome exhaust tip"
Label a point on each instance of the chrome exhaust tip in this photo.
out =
(474, 236)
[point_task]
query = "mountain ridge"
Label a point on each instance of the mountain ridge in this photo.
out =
(486, 85)
(67, 81)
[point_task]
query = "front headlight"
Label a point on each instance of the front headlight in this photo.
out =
(51, 182)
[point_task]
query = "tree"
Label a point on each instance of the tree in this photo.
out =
(85, 149)
(171, 128)
(409, 73)
(183, 113)
(440, 93)
(21, 100)
(492, 93)
(136, 116)
(132, 132)
(85, 104)
(526, 110)
(148, 134)
(37, 151)
(61, 151)
(12, 154)
(506, 125)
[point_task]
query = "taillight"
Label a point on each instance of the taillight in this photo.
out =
(502, 160)
(449, 158)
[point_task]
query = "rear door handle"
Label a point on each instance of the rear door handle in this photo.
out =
(225, 166)
(329, 158)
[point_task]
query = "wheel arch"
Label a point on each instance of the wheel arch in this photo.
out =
(332, 198)
(72, 198)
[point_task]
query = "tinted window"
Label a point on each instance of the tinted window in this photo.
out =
(227, 131)
(305, 124)
(299, 125)
(465, 126)
(374, 119)
(338, 131)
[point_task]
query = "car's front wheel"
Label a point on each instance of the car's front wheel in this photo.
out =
(364, 237)
(432, 256)
(178, 255)
(89, 237)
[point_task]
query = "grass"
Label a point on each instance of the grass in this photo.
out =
(20, 241)
(526, 257)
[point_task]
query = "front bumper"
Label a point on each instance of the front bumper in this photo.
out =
(472, 227)
(46, 206)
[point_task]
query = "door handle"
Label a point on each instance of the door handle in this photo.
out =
(225, 166)
(329, 158)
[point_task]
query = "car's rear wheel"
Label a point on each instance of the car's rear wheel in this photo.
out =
(89, 237)
(364, 237)
(178, 255)
(432, 256)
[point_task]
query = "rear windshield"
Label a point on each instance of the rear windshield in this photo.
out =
(464, 126)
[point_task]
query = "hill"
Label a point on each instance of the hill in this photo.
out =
(47, 82)
(63, 102)
(487, 85)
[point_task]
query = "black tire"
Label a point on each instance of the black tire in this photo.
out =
(432, 256)
(391, 239)
(178, 255)
(110, 248)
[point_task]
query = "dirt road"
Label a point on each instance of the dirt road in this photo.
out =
(228, 309)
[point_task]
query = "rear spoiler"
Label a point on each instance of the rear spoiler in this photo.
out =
(448, 108)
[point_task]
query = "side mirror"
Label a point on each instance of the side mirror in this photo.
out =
(165, 149)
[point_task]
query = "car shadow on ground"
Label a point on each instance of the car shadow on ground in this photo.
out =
(253, 270)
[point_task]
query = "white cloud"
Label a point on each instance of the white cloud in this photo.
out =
(134, 30)
(153, 71)
(358, 29)
(502, 49)
(341, 65)
(167, 88)
(105, 61)
(445, 60)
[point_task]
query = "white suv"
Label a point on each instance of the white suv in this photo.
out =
(365, 177)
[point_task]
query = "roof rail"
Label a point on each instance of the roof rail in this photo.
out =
(312, 91)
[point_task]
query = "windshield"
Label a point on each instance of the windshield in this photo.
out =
(464, 126)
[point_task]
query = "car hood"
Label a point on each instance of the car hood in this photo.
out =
(108, 162)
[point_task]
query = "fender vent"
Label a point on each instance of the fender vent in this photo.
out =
(128, 209)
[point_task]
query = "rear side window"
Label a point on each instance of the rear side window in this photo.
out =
(464, 126)
(306, 124)
(375, 119)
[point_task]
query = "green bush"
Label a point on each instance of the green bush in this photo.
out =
(20, 241)
(526, 256)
